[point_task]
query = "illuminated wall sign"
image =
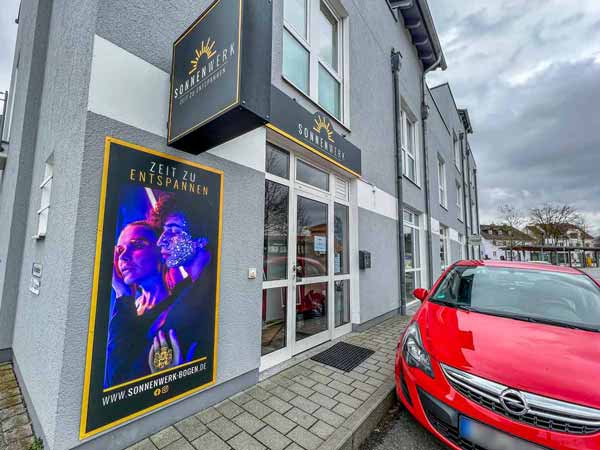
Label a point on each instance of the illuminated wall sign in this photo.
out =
(312, 131)
(220, 75)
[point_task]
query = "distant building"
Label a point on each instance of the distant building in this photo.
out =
(569, 235)
(497, 241)
(575, 247)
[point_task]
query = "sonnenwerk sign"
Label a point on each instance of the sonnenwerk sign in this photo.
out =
(312, 131)
(219, 64)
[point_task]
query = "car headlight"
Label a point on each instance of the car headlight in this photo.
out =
(413, 351)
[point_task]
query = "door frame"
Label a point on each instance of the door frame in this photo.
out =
(298, 188)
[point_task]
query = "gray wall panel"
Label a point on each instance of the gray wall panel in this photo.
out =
(378, 285)
(147, 28)
(39, 326)
(30, 52)
(240, 298)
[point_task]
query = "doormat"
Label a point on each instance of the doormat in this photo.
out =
(343, 356)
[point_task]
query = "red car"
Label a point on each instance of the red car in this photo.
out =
(504, 355)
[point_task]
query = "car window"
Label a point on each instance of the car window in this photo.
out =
(568, 299)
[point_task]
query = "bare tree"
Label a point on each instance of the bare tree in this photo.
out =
(512, 219)
(550, 220)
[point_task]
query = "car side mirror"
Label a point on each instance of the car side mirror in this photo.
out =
(421, 293)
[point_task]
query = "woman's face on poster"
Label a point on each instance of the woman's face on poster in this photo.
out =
(176, 244)
(138, 257)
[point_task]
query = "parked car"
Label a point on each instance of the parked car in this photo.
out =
(505, 355)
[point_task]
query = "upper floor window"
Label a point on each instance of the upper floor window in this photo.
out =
(46, 189)
(409, 147)
(459, 200)
(312, 52)
(443, 193)
(457, 155)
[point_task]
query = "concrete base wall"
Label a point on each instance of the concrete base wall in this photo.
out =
(358, 327)
(5, 355)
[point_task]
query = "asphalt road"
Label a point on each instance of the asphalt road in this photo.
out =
(399, 431)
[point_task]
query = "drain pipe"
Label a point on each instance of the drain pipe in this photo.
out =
(396, 60)
(476, 187)
(465, 187)
(468, 153)
(424, 115)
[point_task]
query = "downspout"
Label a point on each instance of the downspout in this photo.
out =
(461, 136)
(468, 152)
(396, 60)
(424, 114)
(476, 187)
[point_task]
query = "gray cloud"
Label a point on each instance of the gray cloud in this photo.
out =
(8, 33)
(529, 73)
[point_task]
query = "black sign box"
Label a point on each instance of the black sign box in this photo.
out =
(220, 75)
(313, 131)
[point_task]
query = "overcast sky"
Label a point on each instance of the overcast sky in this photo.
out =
(529, 73)
(9, 10)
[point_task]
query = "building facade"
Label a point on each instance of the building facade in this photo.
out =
(570, 245)
(323, 227)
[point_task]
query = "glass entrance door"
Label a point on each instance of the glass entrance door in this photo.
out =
(310, 273)
(306, 269)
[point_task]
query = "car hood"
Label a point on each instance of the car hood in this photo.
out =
(552, 361)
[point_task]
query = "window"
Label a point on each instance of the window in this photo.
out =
(459, 200)
(457, 155)
(312, 52)
(461, 240)
(412, 252)
(409, 147)
(442, 182)
(9, 108)
(444, 251)
(311, 175)
(46, 188)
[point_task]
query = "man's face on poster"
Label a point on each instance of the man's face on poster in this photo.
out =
(138, 258)
(176, 244)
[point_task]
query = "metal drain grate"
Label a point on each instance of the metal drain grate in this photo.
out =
(343, 356)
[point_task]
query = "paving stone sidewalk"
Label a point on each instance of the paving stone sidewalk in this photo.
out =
(15, 427)
(298, 408)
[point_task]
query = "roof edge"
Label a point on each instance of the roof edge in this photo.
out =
(432, 32)
(419, 23)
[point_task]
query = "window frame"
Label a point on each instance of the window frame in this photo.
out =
(445, 247)
(45, 198)
(10, 106)
(411, 219)
(405, 144)
(442, 183)
(310, 44)
(457, 152)
(460, 200)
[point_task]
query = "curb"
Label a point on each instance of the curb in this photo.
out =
(359, 425)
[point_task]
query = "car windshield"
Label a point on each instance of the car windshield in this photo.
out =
(553, 298)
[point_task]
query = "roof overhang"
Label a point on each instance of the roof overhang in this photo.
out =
(419, 23)
(464, 116)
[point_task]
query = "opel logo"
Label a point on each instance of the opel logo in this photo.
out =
(514, 402)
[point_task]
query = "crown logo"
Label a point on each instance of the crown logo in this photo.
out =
(321, 124)
(206, 48)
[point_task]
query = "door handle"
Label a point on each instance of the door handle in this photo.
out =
(297, 270)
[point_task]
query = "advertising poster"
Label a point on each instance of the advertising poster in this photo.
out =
(154, 306)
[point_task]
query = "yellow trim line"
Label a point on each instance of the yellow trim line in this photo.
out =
(312, 149)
